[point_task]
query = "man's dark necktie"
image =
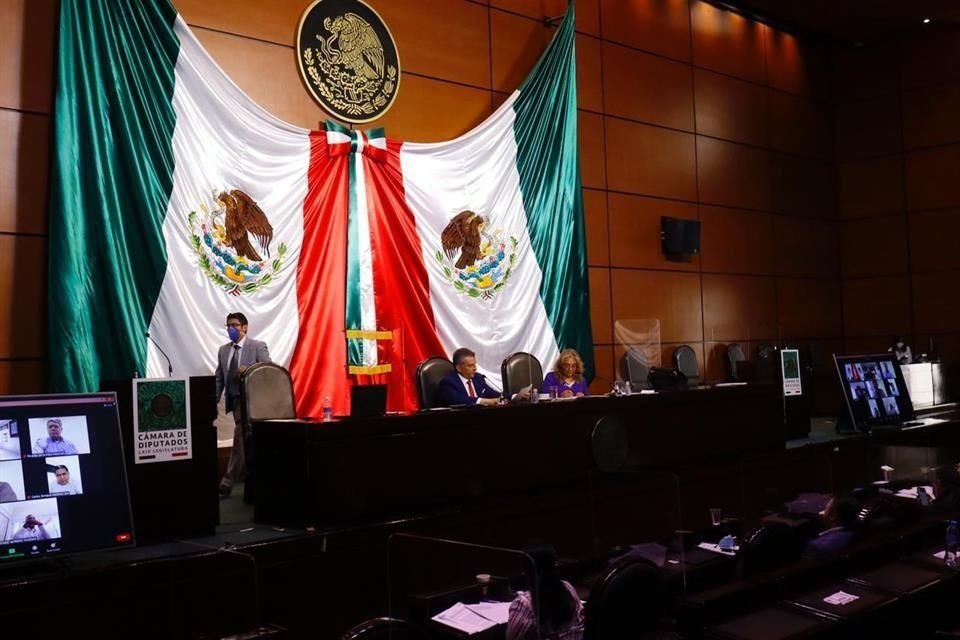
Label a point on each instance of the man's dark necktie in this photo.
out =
(233, 381)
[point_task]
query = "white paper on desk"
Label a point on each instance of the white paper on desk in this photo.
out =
(463, 618)
(840, 598)
(496, 611)
(709, 546)
(912, 492)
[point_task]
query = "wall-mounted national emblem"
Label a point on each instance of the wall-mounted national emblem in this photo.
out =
(476, 261)
(231, 239)
(348, 59)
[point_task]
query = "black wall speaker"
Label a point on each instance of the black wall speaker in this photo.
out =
(679, 237)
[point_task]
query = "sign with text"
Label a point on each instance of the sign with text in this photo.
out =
(790, 364)
(161, 420)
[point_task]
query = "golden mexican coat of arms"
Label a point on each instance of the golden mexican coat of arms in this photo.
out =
(348, 59)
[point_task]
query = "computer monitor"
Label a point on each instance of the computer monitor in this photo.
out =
(63, 479)
(874, 390)
(368, 400)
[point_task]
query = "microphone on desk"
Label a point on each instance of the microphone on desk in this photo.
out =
(160, 349)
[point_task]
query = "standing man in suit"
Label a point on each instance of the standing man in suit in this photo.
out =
(465, 385)
(232, 360)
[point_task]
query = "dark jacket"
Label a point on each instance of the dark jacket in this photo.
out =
(451, 390)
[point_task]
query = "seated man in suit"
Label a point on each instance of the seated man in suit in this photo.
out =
(465, 385)
(839, 520)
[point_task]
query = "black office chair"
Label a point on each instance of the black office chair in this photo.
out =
(520, 370)
(266, 393)
(635, 369)
(685, 361)
(429, 374)
(766, 367)
(770, 546)
(381, 629)
(628, 601)
(735, 356)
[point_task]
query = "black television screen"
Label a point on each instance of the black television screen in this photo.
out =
(874, 389)
(63, 479)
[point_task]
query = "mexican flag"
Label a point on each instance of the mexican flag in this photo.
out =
(176, 199)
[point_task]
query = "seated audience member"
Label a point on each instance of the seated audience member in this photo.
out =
(62, 482)
(901, 350)
(54, 444)
(556, 609)
(32, 529)
(567, 375)
(946, 489)
(839, 519)
(465, 385)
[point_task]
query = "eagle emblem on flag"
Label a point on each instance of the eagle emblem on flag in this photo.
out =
(475, 261)
(231, 237)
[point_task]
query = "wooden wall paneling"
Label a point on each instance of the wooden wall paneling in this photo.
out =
(875, 246)
(929, 116)
(28, 47)
(600, 305)
(803, 186)
(806, 247)
(930, 59)
(876, 306)
(932, 176)
(672, 297)
(274, 21)
(24, 177)
(865, 72)
(934, 241)
(650, 160)
(23, 277)
(866, 344)
(808, 308)
(715, 364)
(945, 345)
(589, 74)
(870, 187)
(660, 26)
(936, 305)
(22, 377)
(729, 108)
(739, 308)
(268, 74)
(595, 218)
(587, 19)
(736, 240)
(733, 175)
(652, 89)
(868, 128)
(516, 45)
(635, 231)
(798, 125)
(796, 66)
(727, 42)
(592, 146)
(603, 361)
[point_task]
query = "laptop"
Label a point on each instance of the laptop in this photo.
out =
(368, 400)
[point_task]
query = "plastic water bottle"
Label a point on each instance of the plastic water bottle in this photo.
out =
(534, 395)
(950, 548)
(327, 409)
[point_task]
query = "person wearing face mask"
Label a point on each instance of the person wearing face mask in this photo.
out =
(901, 350)
(232, 360)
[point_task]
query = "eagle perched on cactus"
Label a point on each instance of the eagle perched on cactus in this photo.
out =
(463, 233)
(358, 44)
(244, 217)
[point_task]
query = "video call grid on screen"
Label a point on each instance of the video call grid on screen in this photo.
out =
(63, 483)
(874, 390)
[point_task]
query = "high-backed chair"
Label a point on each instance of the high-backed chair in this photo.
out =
(429, 374)
(685, 361)
(735, 356)
(770, 546)
(520, 370)
(628, 601)
(380, 629)
(266, 393)
(766, 365)
(635, 369)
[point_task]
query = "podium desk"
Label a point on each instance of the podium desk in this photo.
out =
(172, 500)
(358, 470)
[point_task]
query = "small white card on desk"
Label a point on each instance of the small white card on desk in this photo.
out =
(912, 492)
(710, 546)
(840, 598)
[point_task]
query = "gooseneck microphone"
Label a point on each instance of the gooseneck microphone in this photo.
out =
(164, 353)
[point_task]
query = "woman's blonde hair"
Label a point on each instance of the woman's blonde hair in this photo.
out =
(569, 353)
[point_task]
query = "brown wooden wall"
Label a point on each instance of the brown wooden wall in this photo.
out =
(898, 153)
(685, 110)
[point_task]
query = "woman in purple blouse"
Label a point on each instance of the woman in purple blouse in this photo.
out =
(567, 375)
